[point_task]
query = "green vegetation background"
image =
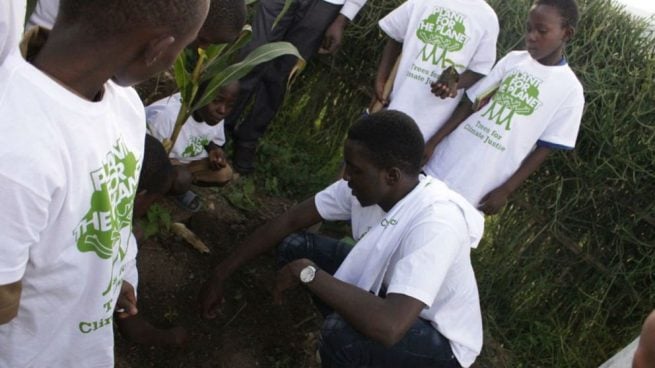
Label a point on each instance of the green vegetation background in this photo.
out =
(566, 272)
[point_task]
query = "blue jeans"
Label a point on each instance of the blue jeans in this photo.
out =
(340, 345)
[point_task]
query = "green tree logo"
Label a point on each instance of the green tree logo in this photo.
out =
(111, 204)
(442, 32)
(195, 147)
(518, 94)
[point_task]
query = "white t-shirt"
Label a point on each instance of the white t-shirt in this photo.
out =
(534, 104)
(12, 17)
(432, 264)
(194, 136)
(68, 177)
(45, 14)
(436, 34)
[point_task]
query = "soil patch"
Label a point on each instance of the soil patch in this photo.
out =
(250, 331)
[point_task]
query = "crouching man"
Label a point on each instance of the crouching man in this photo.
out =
(405, 294)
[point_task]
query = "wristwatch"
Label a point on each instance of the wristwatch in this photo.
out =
(307, 274)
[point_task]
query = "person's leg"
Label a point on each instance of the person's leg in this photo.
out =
(423, 346)
(263, 32)
(326, 252)
(306, 33)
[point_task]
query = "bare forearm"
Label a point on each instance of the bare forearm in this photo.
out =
(468, 78)
(269, 235)
(385, 320)
(529, 165)
(9, 301)
(389, 55)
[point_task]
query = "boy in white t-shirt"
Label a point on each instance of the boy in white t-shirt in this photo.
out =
(432, 36)
(405, 295)
(534, 104)
(12, 18)
(78, 133)
(199, 146)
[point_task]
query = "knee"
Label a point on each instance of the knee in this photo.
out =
(291, 248)
(336, 342)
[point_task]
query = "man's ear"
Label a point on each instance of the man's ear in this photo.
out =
(393, 176)
(156, 48)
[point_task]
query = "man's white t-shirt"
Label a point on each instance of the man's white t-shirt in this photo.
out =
(194, 136)
(432, 264)
(437, 34)
(12, 18)
(534, 105)
(45, 14)
(68, 177)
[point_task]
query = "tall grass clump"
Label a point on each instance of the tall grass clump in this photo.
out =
(566, 271)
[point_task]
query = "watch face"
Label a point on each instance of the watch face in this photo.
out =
(307, 274)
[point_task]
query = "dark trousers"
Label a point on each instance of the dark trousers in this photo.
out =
(340, 345)
(303, 25)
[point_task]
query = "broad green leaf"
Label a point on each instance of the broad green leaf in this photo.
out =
(223, 60)
(237, 71)
(249, 2)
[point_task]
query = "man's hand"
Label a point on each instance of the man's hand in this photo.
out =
(216, 158)
(211, 297)
(333, 35)
(288, 277)
(494, 201)
(126, 304)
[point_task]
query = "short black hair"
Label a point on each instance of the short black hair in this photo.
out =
(224, 15)
(568, 9)
(157, 173)
(392, 138)
(106, 17)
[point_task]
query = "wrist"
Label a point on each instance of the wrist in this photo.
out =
(298, 265)
(341, 21)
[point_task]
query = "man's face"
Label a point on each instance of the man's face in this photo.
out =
(366, 181)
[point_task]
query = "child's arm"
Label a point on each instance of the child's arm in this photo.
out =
(391, 52)
(466, 80)
(9, 301)
(463, 111)
(495, 200)
(216, 156)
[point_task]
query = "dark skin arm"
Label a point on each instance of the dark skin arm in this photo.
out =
(495, 200)
(466, 80)
(463, 111)
(389, 55)
(9, 301)
(263, 239)
(333, 37)
(385, 320)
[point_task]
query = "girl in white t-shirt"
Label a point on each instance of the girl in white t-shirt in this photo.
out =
(530, 103)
